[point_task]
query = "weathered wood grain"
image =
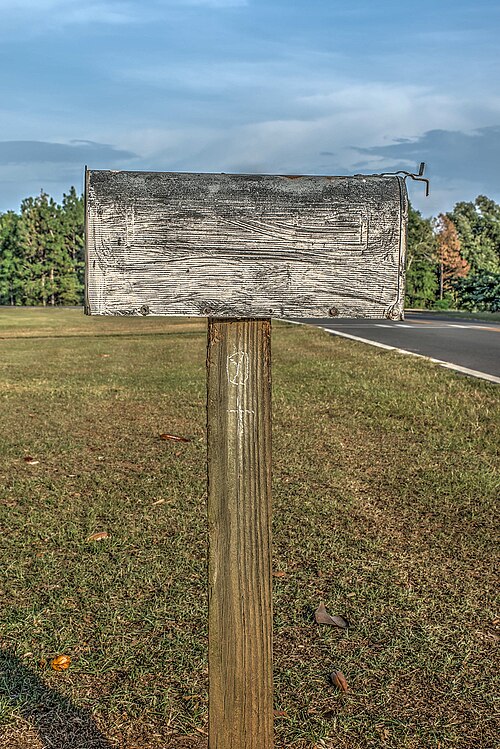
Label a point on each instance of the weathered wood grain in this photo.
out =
(239, 524)
(222, 245)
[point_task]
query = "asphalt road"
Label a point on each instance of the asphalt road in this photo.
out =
(462, 344)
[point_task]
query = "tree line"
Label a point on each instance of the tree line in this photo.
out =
(41, 252)
(453, 261)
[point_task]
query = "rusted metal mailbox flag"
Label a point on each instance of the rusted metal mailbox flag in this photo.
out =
(240, 249)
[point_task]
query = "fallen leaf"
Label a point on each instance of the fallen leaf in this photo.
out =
(98, 536)
(61, 663)
(30, 461)
(279, 573)
(280, 714)
(158, 502)
(323, 617)
(174, 438)
(338, 680)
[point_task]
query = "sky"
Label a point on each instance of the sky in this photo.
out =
(251, 86)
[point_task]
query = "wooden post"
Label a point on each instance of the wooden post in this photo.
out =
(239, 526)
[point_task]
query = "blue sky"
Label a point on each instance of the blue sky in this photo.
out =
(317, 86)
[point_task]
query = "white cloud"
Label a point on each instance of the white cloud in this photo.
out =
(214, 3)
(30, 18)
(355, 116)
(102, 11)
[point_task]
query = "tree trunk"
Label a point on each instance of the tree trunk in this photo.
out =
(52, 295)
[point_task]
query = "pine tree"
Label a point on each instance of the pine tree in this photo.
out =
(73, 232)
(39, 245)
(10, 271)
(46, 245)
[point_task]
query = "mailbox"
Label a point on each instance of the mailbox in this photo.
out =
(221, 245)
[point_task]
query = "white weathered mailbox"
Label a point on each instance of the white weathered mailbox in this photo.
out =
(222, 245)
(240, 249)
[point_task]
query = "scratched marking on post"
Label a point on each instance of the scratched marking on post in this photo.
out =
(237, 368)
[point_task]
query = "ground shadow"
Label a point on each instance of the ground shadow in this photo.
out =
(57, 721)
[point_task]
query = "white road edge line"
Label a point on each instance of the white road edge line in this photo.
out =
(455, 367)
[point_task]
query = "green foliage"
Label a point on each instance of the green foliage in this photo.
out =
(478, 227)
(41, 252)
(445, 303)
(73, 217)
(421, 268)
(435, 260)
(479, 292)
(10, 267)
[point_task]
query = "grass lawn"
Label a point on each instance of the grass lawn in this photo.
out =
(462, 314)
(385, 479)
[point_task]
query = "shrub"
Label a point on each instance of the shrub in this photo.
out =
(479, 292)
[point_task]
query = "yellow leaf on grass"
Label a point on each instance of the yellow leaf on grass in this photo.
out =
(61, 663)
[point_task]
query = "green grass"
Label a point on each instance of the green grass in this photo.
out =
(385, 482)
(462, 314)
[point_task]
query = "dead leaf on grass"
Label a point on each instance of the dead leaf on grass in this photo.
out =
(100, 536)
(279, 573)
(174, 438)
(158, 502)
(323, 617)
(338, 680)
(280, 714)
(61, 663)
(30, 461)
